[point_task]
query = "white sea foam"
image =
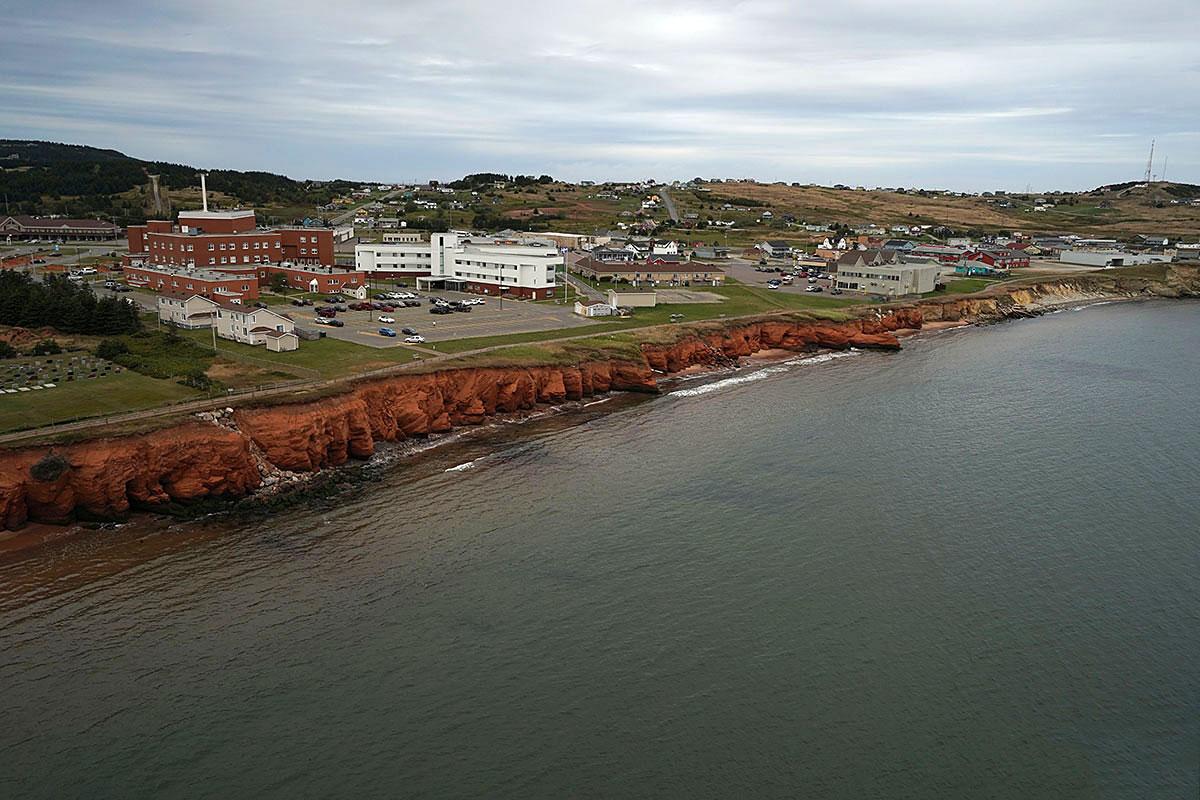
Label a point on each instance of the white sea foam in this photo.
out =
(760, 374)
(462, 467)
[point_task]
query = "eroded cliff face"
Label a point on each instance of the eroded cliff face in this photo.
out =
(310, 436)
(105, 478)
(877, 331)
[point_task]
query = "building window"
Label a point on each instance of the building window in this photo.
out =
(211, 247)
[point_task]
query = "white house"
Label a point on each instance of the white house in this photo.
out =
(186, 310)
(665, 249)
(250, 325)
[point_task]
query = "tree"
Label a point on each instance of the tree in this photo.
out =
(109, 349)
(46, 347)
(7, 350)
(278, 282)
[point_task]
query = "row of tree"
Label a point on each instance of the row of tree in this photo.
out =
(64, 305)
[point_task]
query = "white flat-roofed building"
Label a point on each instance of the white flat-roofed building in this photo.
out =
(893, 280)
(464, 262)
(413, 258)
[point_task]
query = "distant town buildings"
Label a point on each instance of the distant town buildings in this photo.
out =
(53, 228)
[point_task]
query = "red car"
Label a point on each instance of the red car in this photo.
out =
(387, 309)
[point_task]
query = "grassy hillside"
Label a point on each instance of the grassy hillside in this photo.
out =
(81, 181)
(1119, 211)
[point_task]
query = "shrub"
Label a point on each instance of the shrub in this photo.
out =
(109, 349)
(46, 347)
(7, 350)
(197, 379)
(49, 468)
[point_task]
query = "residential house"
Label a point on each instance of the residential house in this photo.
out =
(251, 325)
(186, 310)
(775, 248)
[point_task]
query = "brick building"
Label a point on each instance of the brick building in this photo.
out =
(218, 239)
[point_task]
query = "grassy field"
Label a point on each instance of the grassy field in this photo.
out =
(111, 394)
(739, 300)
(325, 358)
(963, 286)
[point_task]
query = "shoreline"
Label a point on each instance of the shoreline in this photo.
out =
(284, 470)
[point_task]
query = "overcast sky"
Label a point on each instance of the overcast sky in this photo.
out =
(964, 94)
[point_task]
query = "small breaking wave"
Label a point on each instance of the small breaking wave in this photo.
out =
(760, 374)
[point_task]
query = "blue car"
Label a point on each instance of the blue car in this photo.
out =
(387, 332)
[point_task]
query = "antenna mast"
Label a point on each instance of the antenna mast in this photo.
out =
(1163, 176)
(1150, 163)
(204, 188)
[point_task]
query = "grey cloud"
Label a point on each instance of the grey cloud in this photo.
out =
(967, 94)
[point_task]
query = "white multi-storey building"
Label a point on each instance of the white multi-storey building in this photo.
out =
(464, 262)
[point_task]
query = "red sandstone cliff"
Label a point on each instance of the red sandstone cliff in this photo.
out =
(106, 477)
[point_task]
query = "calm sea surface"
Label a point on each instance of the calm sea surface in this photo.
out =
(970, 569)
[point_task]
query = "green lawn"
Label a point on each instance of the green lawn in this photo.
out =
(326, 358)
(112, 394)
(962, 286)
(740, 300)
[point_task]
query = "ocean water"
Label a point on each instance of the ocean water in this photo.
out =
(969, 569)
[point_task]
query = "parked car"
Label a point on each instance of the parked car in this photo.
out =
(408, 331)
(387, 320)
(87, 271)
(260, 304)
(341, 307)
(387, 332)
(461, 307)
(120, 287)
(387, 309)
(835, 290)
(326, 311)
(814, 289)
(110, 284)
(335, 298)
(440, 310)
(412, 303)
(336, 323)
(773, 284)
(415, 339)
(361, 306)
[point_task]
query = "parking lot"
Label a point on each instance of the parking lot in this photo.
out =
(489, 319)
(745, 272)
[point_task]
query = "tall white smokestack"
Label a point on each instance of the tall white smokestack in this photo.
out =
(203, 191)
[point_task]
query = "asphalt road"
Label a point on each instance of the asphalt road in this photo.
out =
(668, 204)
